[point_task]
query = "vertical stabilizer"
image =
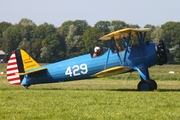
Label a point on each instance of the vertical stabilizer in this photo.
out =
(28, 61)
(19, 62)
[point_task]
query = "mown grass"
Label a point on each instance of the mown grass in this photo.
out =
(110, 98)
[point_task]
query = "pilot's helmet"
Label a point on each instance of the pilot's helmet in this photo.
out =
(96, 49)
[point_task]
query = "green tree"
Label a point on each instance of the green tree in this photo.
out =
(73, 36)
(133, 26)
(64, 28)
(117, 25)
(26, 22)
(103, 26)
(156, 34)
(148, 34)
(27, 34)
(71, 40)
(3, 27)
(81, 26)
(90, 39)
(52, 44)
(171, 36)
(11, 38)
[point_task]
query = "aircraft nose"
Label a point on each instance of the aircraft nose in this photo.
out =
(161, 53)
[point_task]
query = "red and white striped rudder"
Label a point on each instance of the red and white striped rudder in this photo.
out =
(12, 69)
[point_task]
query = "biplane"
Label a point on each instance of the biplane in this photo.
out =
(128, 51)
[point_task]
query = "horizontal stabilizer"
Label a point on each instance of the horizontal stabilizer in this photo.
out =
(31, 71)
(112, 71)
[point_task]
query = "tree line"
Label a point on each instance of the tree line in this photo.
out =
(47, 43)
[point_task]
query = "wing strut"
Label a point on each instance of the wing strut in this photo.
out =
(141, 37)
(105, 67)
(107, 58)
(126, 42)
(117, 50)
(113, 42)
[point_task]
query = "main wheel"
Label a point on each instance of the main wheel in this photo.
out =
(145, 85)
(154, 84)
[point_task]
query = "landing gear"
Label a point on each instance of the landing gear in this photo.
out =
(147, 85)
(26, 86)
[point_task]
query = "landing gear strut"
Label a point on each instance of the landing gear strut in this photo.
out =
(147, 85)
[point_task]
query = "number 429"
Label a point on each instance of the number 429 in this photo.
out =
(76, 70)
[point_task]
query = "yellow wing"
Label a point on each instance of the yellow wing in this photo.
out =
(123, 33)
(112, 71)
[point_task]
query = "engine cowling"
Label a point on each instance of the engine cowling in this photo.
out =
(161, 53)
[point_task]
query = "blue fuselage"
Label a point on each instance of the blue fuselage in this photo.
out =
(85, 66)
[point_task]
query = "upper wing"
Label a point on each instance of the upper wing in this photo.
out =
(32, 71)
(123, 33)
(112, 71)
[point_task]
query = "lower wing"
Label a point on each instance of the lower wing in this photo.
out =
(112, 71)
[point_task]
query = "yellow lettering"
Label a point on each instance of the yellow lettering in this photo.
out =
(29, 61)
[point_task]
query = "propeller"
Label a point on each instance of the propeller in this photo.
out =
(170, 50)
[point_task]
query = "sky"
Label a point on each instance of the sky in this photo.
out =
(56, 12)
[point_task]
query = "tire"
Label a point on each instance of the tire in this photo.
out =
(145, 85)
(154, 84)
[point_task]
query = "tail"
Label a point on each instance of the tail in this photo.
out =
(19, 62)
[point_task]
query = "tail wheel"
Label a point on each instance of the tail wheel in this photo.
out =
(145, 85)
(154, 84)
(26, 86)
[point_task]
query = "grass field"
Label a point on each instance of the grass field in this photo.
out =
(110, 98)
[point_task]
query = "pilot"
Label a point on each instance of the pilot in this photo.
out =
(97, 52)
